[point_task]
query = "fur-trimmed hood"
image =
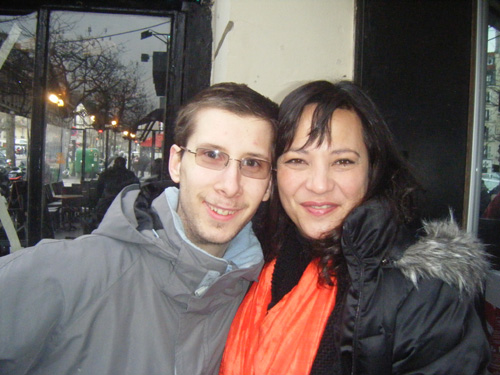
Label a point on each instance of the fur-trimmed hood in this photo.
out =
(371, 236)
(448, 253)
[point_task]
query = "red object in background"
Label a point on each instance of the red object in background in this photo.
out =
(149, 141)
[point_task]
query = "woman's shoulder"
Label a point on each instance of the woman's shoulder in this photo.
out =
(446, 254)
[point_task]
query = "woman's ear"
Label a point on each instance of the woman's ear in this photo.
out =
(174, 163)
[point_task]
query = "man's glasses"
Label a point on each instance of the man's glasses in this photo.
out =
(218, 160)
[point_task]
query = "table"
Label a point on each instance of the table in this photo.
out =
(70, 207)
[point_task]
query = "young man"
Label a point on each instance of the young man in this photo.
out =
(153, 290)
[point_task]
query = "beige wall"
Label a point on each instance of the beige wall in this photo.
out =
(275, 45)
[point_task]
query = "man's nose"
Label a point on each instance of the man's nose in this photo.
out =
(229, 182)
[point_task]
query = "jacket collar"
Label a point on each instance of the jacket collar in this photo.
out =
(243, 250)
(370, 233)
(180, 268)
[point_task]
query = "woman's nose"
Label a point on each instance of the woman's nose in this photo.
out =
(319, 180)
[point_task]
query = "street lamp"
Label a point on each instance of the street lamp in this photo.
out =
(53, 98)
(149, 33)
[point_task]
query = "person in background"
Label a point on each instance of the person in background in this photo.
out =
(350, 286)
(109, 185)
(492, 211)
(158, 170)
(154, 288)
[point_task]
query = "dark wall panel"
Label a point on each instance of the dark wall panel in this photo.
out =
(414, 58)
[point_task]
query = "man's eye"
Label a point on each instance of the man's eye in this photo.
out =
(212, 154)
(253, 163)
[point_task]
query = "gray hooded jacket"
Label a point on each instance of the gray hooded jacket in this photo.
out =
(122, 300)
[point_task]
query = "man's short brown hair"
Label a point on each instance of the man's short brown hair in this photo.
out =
(236, 98)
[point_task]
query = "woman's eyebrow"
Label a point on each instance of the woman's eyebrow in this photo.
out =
(345, 150)
(333, 152)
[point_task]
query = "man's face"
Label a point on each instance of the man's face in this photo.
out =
(214, 205)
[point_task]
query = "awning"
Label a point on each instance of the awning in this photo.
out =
(156, 115)
(149, 141)
(147, 124)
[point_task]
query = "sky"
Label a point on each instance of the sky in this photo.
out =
(118, 29)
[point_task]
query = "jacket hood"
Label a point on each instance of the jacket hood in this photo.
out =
(134, 219)
(120, 221)
(448, 253)
(443, 251)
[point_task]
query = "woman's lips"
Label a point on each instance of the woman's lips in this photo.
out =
(319, 208)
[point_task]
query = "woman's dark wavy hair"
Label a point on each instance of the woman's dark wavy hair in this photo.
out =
(389, 176)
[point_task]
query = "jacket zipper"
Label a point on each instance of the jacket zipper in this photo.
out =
(356, 322)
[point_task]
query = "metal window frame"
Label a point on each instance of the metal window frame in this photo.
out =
(35, 212)
(479, 112)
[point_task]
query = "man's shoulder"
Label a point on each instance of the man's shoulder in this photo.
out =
(88, 251)
(85, 266)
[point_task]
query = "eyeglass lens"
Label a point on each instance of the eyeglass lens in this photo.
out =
(218, 160)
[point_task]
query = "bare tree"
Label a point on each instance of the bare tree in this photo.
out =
(89, 71)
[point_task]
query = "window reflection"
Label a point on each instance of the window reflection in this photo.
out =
(102, 74)
(16, 81)
(491, 135)
(106, 86)
(489, 205)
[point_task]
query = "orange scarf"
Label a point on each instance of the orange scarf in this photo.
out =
(285, 339)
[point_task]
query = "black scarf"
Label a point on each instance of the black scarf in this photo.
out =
(291, 262)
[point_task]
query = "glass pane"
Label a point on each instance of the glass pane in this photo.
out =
(489, 207)
(17, 39)
(107, 76)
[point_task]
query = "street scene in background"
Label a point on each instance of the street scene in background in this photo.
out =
(105, 99)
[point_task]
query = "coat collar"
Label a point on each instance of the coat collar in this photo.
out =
(370, 233)
(181, 269)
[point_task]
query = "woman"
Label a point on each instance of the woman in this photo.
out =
(348, 287)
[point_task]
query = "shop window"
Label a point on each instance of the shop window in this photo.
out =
(101, 89)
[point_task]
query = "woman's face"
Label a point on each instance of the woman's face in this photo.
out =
(320, 185)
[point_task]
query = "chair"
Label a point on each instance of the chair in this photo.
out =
(53, 207)
(89, 202)
(57, 188)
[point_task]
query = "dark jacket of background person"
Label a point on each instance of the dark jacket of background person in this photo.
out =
(110, 183)
(492, 211)
(76, 314)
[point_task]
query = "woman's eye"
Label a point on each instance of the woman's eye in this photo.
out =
(295, 161)
(343, 162)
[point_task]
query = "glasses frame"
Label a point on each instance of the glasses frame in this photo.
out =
(243, 171)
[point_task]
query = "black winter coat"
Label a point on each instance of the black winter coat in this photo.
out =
(410, 307)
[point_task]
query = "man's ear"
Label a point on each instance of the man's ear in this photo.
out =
(269, 190)
(174, 163)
